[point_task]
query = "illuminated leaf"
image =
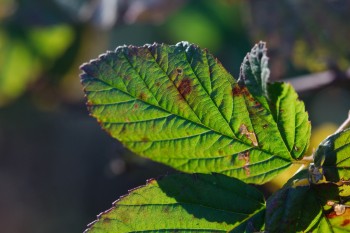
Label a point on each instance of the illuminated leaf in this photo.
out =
(333, 156)
(185, 203)
(179, 106)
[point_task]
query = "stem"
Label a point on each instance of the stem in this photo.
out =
(308, 159)
(345, 125)
(300, 169)
(305, 161)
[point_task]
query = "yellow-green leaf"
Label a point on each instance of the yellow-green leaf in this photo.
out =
(185, 203)
(179, 106)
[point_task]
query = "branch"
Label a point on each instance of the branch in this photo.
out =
(317, 80)
(345, 125)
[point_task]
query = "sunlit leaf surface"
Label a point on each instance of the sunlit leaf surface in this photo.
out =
(177, 105)
(185, 203)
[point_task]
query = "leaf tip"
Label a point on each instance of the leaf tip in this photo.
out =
(151, 181)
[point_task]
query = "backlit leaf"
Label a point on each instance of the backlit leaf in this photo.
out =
(185, 203)
(333, 156)
(177, 105)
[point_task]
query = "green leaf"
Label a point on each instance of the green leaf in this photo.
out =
(291, 210)
(255, 71)
(330, 221)
(177, 105)
(333, 156)
(184, 203)
(305, 209)
(280, 99)
(291, 118)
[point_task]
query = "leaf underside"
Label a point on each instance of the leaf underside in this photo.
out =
(333, 155)
(184, 203)
(177, 105)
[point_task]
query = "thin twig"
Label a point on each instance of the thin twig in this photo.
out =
(315, 81)
(345, 125)
(308, 158)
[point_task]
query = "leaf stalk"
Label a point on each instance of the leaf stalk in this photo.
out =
(345, 125)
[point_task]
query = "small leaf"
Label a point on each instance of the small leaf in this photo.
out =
(333, 155)
(184, 203)
(255, 71)
(305, 209)
(179, 106)
(291, 118)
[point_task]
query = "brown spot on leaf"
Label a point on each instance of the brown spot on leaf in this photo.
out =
(247, 95)
(185, 87)
(331, 215)
(345, 222)
(250, 135)
(239, 90)
(236, 91)
(157, 84)
(257, 105)
(180, 97)
(138, 51)
(106, 220)
(132, 50)
(142, 96)
(136, 106)
(245, 157)
(89, 103)
(221, 152)
(166, 209)
(265, 126)
(144, 139)
(179, 70)
(127, 77)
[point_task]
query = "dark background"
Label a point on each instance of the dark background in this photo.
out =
(58, 169)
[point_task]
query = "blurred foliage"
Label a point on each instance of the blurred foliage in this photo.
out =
(302, 36)
(219, 24)
(311, 34)
(26, 53)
